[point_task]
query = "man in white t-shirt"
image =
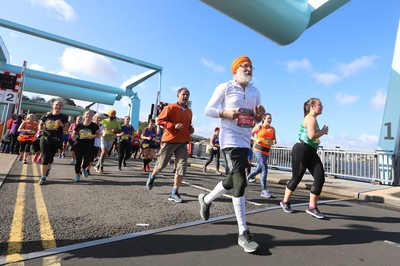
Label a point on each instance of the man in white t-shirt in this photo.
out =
(238, 104)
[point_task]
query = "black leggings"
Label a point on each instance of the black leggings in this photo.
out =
(212, 154)
(82, 153)
(124, 151)
(305, 157)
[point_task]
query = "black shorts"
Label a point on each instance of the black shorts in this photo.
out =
(235, 160)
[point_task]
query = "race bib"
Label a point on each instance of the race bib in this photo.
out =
(51, 125)
(108, 133)
(246, 118)
(84, 134)
(124, 137)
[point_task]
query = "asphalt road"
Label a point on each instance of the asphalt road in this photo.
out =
(110, 204)
(117, 204)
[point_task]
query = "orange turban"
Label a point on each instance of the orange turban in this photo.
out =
(111, 112)
(238, 62)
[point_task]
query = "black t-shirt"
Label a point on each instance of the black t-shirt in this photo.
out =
(50, 125)
(83, 132)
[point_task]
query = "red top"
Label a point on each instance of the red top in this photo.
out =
(171, 115)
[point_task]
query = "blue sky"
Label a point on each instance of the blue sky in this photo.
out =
(345, 59)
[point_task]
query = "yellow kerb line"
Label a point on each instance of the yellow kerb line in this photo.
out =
(17, 227)
(46, 232)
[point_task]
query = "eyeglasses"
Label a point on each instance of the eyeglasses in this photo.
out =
(247, 66)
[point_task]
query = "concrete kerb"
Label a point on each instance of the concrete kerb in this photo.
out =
(6, 162)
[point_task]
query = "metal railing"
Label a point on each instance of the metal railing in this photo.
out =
(377, 167)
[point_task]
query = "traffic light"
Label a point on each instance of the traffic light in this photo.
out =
(160, 107)
(7, 81)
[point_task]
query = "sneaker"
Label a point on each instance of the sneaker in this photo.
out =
(204, 208)
(77, 178)
(72, 162)
(97, 168)
(218, 173)
(315, 212)
(62, 155)
(88, 172)
(124, 164)
(42, 180)
(119, 168)
(147, 167)
(204, 169)
(266, 194)
(247, 242)
(35, 158)
(286, 207)
(20, 158)
(101, 170)
(175, 197)
(144, 169)
(85, 173)
(251, 180)
(150, 181)
(48, 171)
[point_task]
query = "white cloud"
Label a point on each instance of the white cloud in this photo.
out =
(37, 67)
(303, 65)
(325, 78)
(79, 61)
(378, 101)
(213, 66)
(363, 142)
(130, 80)
(60, 8)
(345, 99)
(341, 70)
(357, 65)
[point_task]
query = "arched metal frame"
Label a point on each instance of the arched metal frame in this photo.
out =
(46, 83)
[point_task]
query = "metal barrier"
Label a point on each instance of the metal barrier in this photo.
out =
(349, 164)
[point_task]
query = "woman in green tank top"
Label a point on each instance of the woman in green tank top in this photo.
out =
(304, 156)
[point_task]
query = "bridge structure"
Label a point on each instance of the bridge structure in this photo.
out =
(51, 84)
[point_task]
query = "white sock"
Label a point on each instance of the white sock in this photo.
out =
(240, 212)
(217, 192)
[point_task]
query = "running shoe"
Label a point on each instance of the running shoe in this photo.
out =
(251, 180)
(286, 207)
(42, 180)
(97, 168)
(218, 173)
(266, 194)
(147, 167)
(77, 178)
(35, 158)
(150, 181)
(315, 212)
(85, 173)
(246, 241)
(204, 208)
(175, 197)
(204, 169)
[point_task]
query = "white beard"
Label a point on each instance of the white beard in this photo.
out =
(243, 78)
